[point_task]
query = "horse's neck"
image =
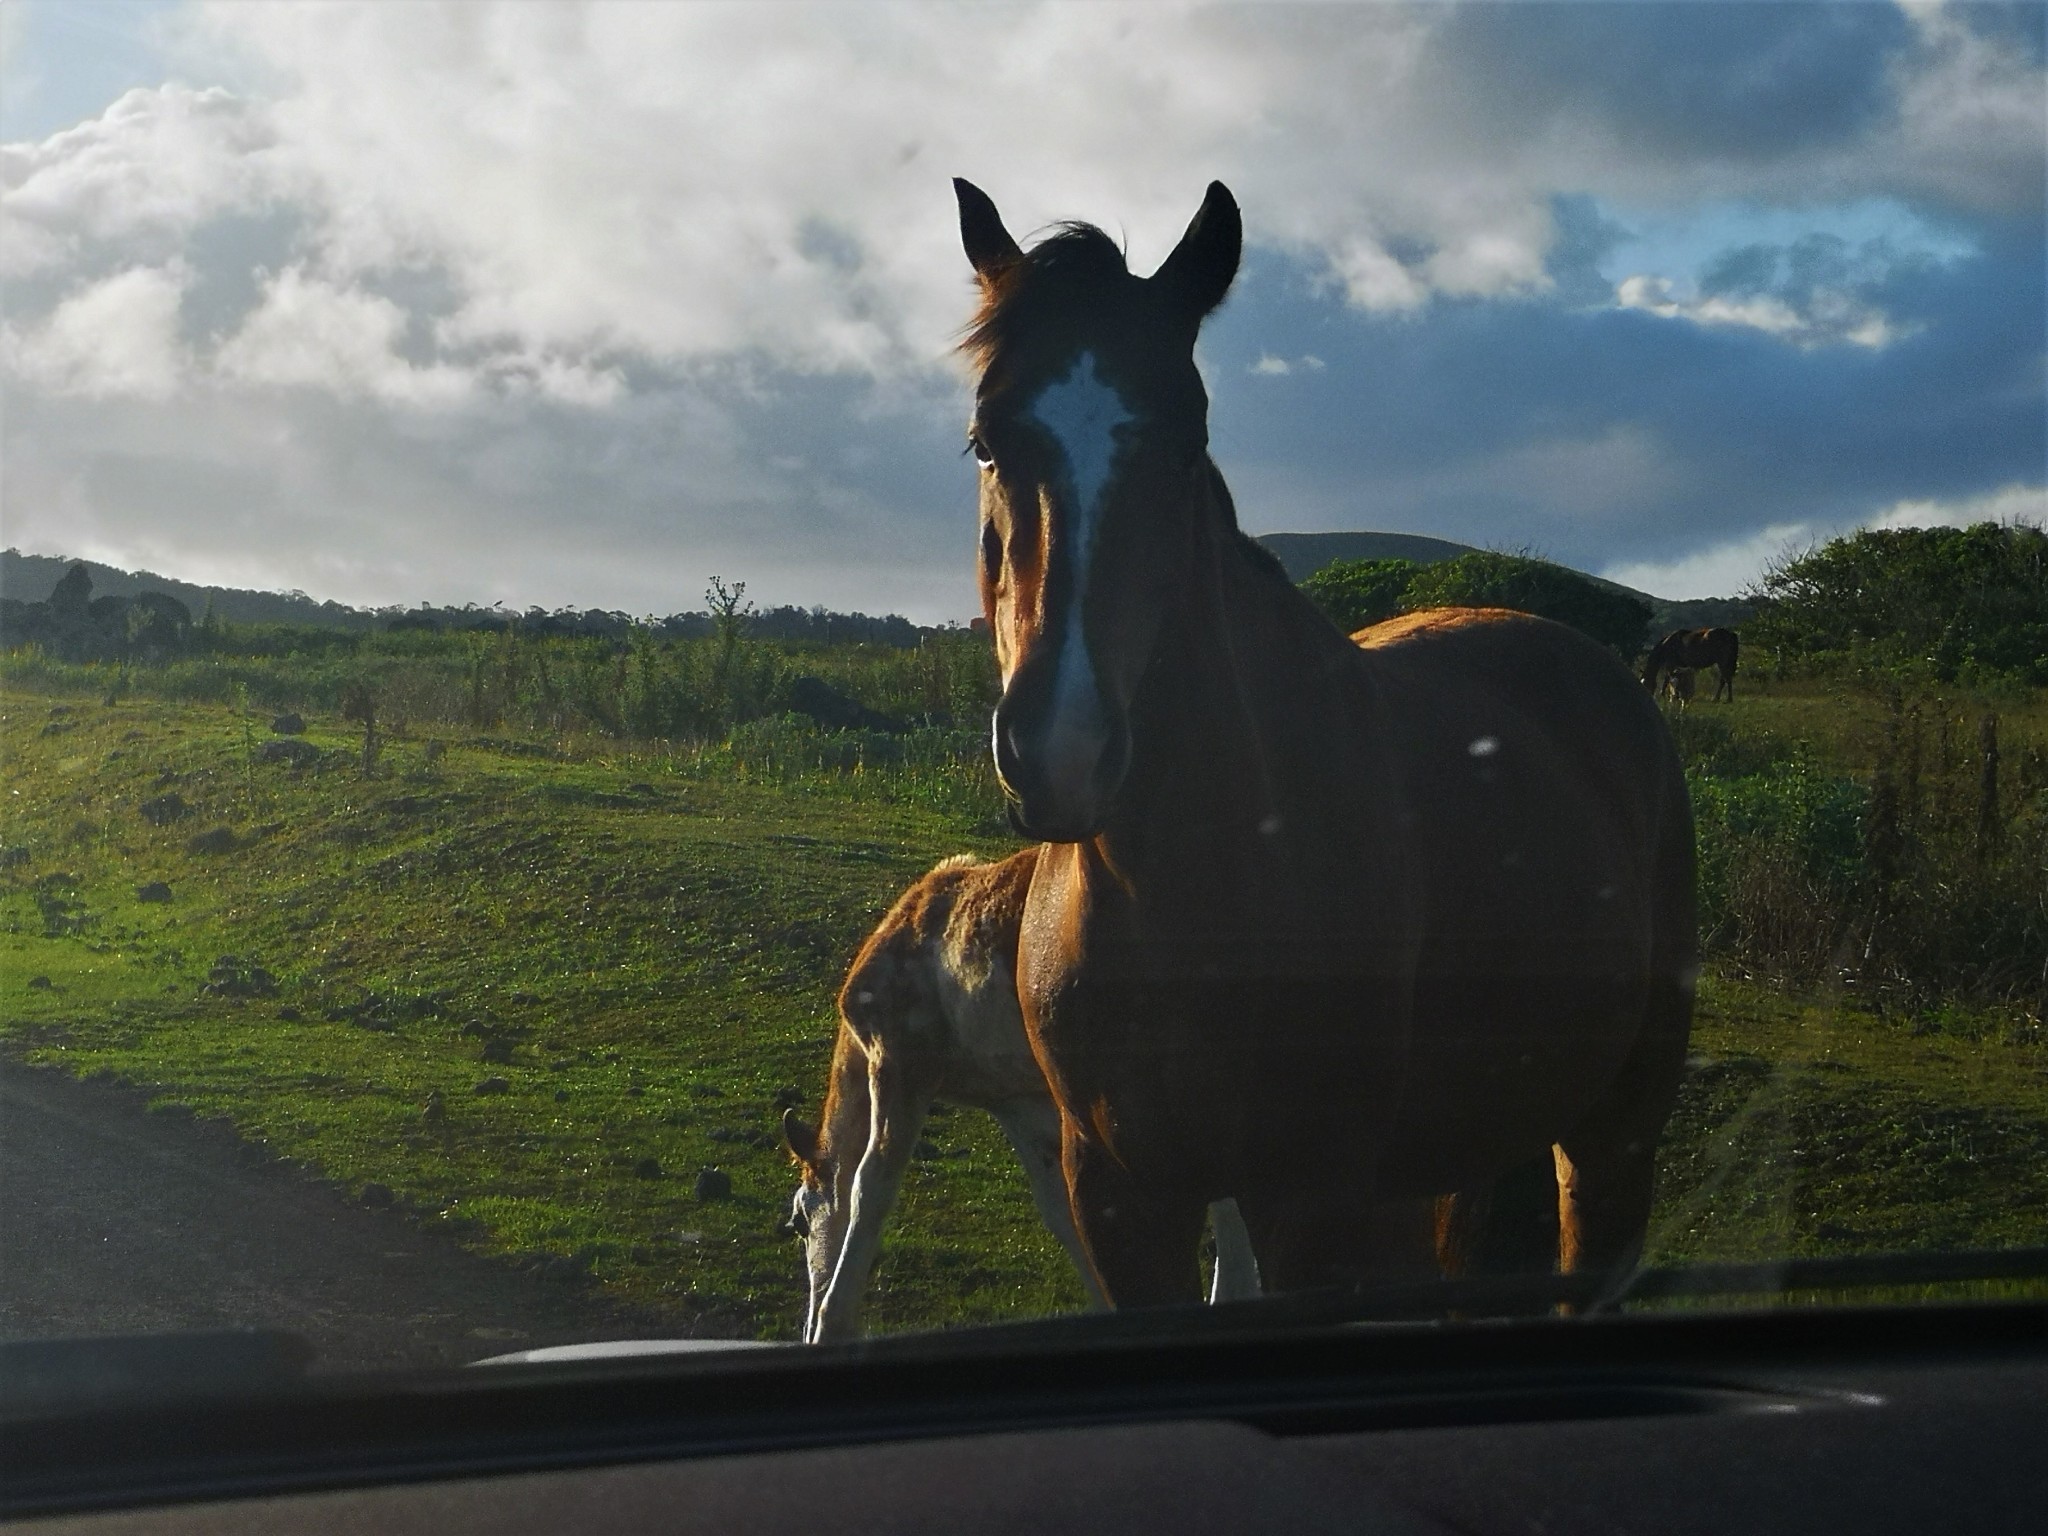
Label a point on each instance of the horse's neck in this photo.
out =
(1244, 713)
(845, 1121)
(1246, 659)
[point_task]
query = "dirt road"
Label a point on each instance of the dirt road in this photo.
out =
(113, 1220)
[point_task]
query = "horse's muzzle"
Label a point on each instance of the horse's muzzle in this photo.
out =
(1060, 775)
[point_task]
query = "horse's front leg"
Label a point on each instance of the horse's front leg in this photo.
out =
(899, 1109)
(1143, 1245)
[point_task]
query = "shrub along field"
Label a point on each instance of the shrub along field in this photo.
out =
(530, 979)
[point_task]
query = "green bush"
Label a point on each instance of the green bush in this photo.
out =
(1780, 864)
(1355, 593)
(1943, 604)
(1488, 579)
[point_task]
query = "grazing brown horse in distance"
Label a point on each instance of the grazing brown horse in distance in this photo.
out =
(929, 1011)
(1319, 923)
(1692, 649)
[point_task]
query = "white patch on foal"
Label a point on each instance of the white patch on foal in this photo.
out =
(1082, 413)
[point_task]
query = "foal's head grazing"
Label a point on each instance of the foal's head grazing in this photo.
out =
(1091, 429)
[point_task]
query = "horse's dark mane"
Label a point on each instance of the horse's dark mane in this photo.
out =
(1070, 266)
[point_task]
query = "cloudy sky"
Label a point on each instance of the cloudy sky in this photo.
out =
(582, 304)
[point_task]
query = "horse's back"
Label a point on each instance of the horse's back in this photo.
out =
(1554, 857)
(1468, 669)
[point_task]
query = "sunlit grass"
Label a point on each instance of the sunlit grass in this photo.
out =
(634, 947)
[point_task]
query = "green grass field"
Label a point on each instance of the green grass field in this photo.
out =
(532, 986)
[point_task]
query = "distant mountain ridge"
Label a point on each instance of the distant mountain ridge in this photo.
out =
(30, 578)
(1301, 555)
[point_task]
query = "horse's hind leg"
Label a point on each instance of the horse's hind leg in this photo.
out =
(1607, 1164)
(1033, 1127)
(1506, 1227)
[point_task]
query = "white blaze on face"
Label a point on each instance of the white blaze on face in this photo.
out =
(1082, 413)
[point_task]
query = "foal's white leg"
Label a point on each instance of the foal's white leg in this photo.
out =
(892, 1136)
(1237, 1267)
(1033, 1126)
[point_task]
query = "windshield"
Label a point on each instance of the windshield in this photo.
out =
(628, 714)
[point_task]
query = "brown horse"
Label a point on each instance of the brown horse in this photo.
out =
(1692, 649)
(1322, 922)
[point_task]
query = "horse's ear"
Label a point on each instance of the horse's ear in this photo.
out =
(1200, 270)
(801, 1138)
(989, 245)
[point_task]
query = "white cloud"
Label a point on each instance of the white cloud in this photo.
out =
(1830, 317)
(141, 176)
(1269, 366)
(698, 181)
(2013, 504)
(508, 227)
(1723, 570)
(115, 337)
(1720, 571)
(309, 333)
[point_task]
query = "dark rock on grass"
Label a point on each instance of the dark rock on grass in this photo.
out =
(721, 1133)
(435, 1109)
(924, 1151)
(214, 840)
(377, 1196)
(788, 1096)
(287, 725)
(9, 857)
(291, 750)
(565, 1268)
(41, 984)
(232, 976)
(156, 890)
(162, 810)
(561, 1095)
(497, 1051)
(490, 1086)
(647, 1168)
(761, 1141)
(290, 1016)
(712, 1184)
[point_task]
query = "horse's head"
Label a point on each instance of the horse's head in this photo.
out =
(814, 1216)
(1091, 429)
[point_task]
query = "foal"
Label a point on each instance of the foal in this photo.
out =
(929, 1011)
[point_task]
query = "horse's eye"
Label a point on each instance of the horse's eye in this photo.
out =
(980, 451)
